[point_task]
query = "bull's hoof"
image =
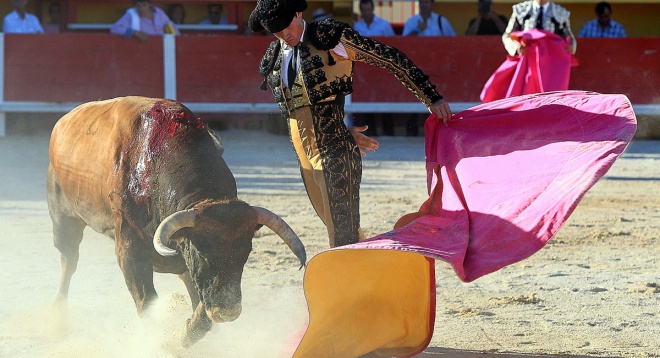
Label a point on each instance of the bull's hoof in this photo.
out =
(190, 333)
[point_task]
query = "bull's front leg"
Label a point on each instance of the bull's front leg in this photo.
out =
(191, 288)
(196, 326)
(135, 260)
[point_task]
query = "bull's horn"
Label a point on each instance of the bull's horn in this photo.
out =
(171, 224)
(283, 230)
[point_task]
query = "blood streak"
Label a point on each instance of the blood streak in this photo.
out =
(161, 123)
(164, 122)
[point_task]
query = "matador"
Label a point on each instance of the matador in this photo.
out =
(309, 69)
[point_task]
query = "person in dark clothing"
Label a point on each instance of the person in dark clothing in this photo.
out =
(488, 22)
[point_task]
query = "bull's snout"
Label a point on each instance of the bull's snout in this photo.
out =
(219, 315)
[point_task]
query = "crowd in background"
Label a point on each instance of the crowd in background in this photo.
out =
(426, 22)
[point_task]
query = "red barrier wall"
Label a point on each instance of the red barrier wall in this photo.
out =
(224, 69)
(221, 69)
(80, 68)
(628, 66)
(460, 67)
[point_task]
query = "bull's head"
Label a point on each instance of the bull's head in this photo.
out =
(215, 240)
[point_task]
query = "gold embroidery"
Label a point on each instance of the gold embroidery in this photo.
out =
(377, 54)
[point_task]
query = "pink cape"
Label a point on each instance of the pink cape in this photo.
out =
(545, 67)
(503, 178)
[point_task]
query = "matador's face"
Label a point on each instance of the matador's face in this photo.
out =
(292, 34)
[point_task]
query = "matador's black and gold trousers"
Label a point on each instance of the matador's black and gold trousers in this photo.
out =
(331, 168)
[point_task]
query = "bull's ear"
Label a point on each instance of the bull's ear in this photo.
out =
(257, 227)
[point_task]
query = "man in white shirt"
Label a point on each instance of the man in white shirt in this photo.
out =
(427, 22)
(370, 24)
(142, 20)
(20, 21)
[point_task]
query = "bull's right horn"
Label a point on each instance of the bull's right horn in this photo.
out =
(171, 224)
(283, 230)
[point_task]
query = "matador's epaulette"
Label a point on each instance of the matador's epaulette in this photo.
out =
(521, 10)
(560, 14)
(325, 35)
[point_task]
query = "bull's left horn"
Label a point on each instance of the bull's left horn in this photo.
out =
(283, 230)
(171, 224)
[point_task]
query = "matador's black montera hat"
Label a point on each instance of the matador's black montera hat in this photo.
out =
(275, 15)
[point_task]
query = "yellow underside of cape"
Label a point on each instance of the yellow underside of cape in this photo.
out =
(368, 301)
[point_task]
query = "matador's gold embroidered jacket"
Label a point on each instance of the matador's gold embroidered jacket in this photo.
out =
(324, 76)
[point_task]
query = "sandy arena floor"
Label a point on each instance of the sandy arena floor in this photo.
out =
(593, 291)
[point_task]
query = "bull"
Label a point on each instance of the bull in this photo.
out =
(150, 174)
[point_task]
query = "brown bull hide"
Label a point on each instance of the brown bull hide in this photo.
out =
(121, 167)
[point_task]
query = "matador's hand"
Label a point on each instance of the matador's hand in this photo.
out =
(363, 142)
(441, 110)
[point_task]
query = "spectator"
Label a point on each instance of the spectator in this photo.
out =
(528, 15)
(53, 26)
(427, 22)
(603, 26)
(215, 16)
(176, 13)
(372, 25)
(320, 15)
(487, 21)
(20, 21)
(142, 20)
